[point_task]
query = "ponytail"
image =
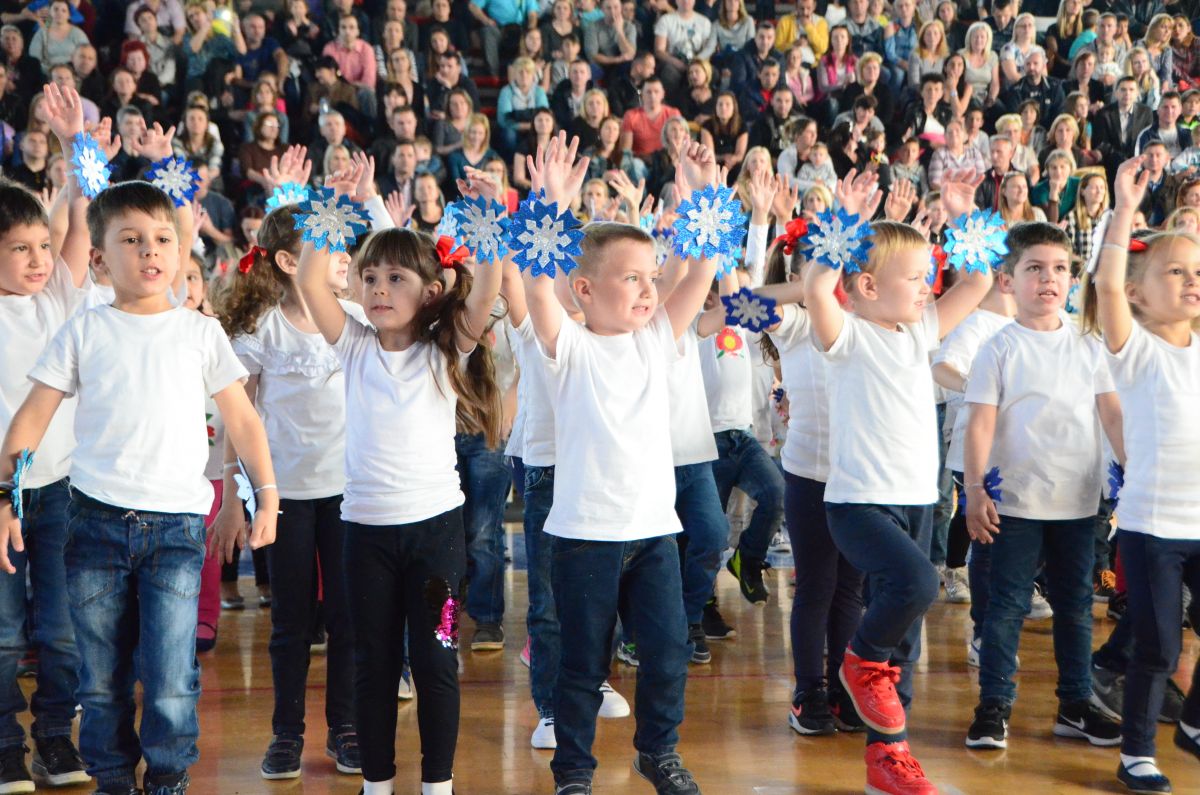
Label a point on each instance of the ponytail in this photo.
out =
(259, 284)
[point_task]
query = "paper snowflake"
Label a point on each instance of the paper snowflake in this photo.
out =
(711, 222)
(286, 194)
(483, 226)
(450, 225)
(91, 165)
(174, 177)
(991, 484)
(331, 222)
(24, 464)
(663, 239)
(750, 311)
(245, 489)
(543, 240)
(975, 242)
(1116, 480)
(838, 239)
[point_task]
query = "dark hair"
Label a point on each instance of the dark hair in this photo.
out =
(263, 285)
(1169, 95)
(19, 207)
(135, 196)
(1024, 236)
(866, 102)
(933, 77)
(765, 24)
(1127, 79)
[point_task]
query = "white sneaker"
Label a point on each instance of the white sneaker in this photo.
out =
(779, 543)
(543, 735)
(958, 589)
(1039, 608)
(973, 653)
(406, 688)
(614, 704)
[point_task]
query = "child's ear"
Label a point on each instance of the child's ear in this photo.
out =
(286, 262)
(96, 257)
(867, 287)
(1005, 282)
(582, 289)
(433, 290)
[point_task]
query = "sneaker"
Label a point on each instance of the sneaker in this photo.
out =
(573, 788)
(958, 589)
(715, 627)
(990, 727)
(14, 776)
(973, 649)
(779, 543)
(233, 603)
(543, 736)
(1104, 585)
(525, 653)
(56, 763)
(319, 644)
(1108, 692)
(283, 757)
(1143, 777)
(700, 653)
(405, 691)
(1185, 743)
(1039, 608)
(871, 687)
(1116, 605)
(1172, 706)
(892, 770)
(667, 773)
(341, 745)
(117, 789)
(1082, 721)
(749, 576)
(488, 637)
(810, 713)
(627, 653)
(614, 704)
(173, 785)
(845, 717)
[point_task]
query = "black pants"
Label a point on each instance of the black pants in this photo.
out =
(229, 571)
(309, 530)
(397, 574)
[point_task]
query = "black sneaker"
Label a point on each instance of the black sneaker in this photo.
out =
(168, 785)
(810, 713)
(130, 790)
(1108, 691)
(1185, 743)
(667, 773)
(714, 624)
(749, 576)
(573, 788)
(1172, 705)
(488, 637)
(283, 757)
(990, 727)
(845, 716)
(700, 653)
(1082, 720)
(14, 776)
(56, 763)
(1149, 782)
(1116, 605)
(341, 745)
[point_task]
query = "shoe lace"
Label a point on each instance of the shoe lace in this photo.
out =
(877, 676)
(990, 712)
(670, 766)
(56, 749)
(1108, 580)
(904, 765)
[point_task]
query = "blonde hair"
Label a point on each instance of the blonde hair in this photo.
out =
(523, 64)
(482, 121)
(1068, 27)
(1083, 221)
(1149, 80)
(943, 49)
(1061, 154)
(1173, 223)
(888, 238)
(821, 192)
(870, 57)
(1067, 119)
(597, 237)
(743, 182)
(1025, 211)
(1135, 270)
(590, 93)
(987, 42)
(1032, 21)
(1011, 120)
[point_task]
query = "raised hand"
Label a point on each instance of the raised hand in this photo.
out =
(102, 131)
(697, 168)
(631, 194)
(479, 184)
(1129, 185)
(64, 111)
(345, 181)
(294, 166)
(958, 191)
(762, 189)
(399, 209)
(560, 174)
(365, 191)
(899, 201)
(858, 194)
(156, 144)
(922, 223)
(787, 196)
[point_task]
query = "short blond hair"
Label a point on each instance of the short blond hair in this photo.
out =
(598, 236)
(888, 238)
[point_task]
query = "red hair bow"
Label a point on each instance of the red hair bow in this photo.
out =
(448, 255)
(795, 229)
(247, 262)
(1136, 245)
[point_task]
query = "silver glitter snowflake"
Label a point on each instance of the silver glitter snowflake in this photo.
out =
(91, 165)
(483, 226)
(710, 223)
(329, 222)
(174, 177)
(838, 239)
(975, 242)
(750, 311)
(543, 240)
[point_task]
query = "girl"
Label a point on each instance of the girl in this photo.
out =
(700, 100)
(1158, 46)
(1183, 219)
(427, 195)
(1186, 48)
(416, 366)
(1013, 54)
(1137, 66)
(586, 126)
(1091, 204)
(798, 77)
(959, 90)
(725, 133)
(1145, 304)
(208, 610)
(476, 149)
(931, 54)
(982, 63)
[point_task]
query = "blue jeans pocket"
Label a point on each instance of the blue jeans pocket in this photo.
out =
(178, 556)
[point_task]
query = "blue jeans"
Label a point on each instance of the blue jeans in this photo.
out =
(541, 618)
(133, 580)
(593, 581)
(1069, 555)
(706, 531)
(979, 573)
(53, 703)
(944, 509)
(742, 462)
(485, 480)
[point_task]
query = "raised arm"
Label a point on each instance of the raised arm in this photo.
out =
(958, 196)
(1112, 305)
(513, 290)
(64, 112)
(312, 275)
(486, 285)
(697, 167)
(713, 320)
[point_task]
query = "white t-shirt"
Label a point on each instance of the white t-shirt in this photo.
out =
(139, 420)
(400, 457)
(692, 440)
(1159, 386)
(614, 480)
(806, 449)
(215, 427)
(725, 363)
(958, 350)
(302, 401)
(534, 442)
(27, 324)
(1047, 441)
(881, 403)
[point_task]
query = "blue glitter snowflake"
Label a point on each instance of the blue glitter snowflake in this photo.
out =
(91, 165)
(286, 194)
(1116, 480)
(24, 464)
(331, 222)
(750, 311)
(711, 222)
(543, 240)
(663, 239)
(450, 225)
(483, 226)
(991, 484)
(838, 239)
(975, 242)
(176, 178)
(245, 489)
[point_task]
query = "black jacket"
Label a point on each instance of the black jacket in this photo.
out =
(1106, 133)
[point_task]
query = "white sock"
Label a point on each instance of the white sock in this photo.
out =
(1140, 765)
(440, 788)
(1192, 733)
(379, 787)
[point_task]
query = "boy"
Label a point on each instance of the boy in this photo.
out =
(138, 492)
(1027, 420)
(613, 514)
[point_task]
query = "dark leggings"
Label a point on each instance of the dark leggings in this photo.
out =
(959, 540)
(827, 604)
(397, 574)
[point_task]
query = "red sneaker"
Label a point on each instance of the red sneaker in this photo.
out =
(872, 688)
(892, 770)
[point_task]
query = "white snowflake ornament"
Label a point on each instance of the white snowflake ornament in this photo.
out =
(750, 311)
(91, 165)
(543, 240)
(176, 178)
(710, 222)
(286, 194)
(245, 489)
(839, 240)
(975, 242)
(332, 222)
(483, 227)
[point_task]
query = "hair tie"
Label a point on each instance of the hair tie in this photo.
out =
(448, 255)
(1137, 245)
(795, 229)
(247, 262)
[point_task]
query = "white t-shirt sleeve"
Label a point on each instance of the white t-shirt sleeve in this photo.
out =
(355, 336)
(58, 367)
(568, 339)
(1104, 378)
(793, 329)
(985, 385)
(930, 328)
(249, 352)
(221, 365)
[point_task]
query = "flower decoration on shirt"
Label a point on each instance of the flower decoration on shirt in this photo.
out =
(991, 484)
(450, 255)
(728, 341)
(332, 222)
(1116, 480)
(483, 226)
(750, 311)
(245, 489)
(839, 240)
(975, 241)
(710, 222)
(91, 165)
(542, 239)
(175, 177)
(446, 608)
(287, 194)
(793, 234)
(247, 261)
(24, 464)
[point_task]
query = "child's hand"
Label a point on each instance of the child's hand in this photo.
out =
(64, 112)
(345, 181)
(858, 194)
(921, 223)
(1129, 185)
(262, 532)
(983, 521)
(400, 210)
(899, 201)
(294, 166)
(228, 531)
(479, 184)
(787, 196)
(10, 535)
(560, 173)
(365, 190)
(958, 191)
(631, 194)
(156, 144)
(763, 189)
(110, 144)
(698, 168)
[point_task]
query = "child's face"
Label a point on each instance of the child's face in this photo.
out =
(1139, 221)
(1191, 107)
(911, 153)
(250, 228)
(392, 295)
(897, 292)
(937, 214)
(1040, 281)
(25, 261)
(621, 296)
(813, 203)
(140, 255)
(818, 157)
(193, 279)
(877, 144)
(424, 151)
(1169, 290)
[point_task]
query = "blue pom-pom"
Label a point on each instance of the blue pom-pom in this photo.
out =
(1116, 480)
(975, 242)
(332, 222)
(991, 484)
(542, 239)
(24, 464)
(90, 165)
(287, 194)
(482, 226)
(750, 311)
(175, 177)
(839, 240)
(709, 223)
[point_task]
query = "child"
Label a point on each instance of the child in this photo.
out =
(876, 144)
(608, 379)
(427, 161)
(908, 166)
(1145, 303)
(819, 169)
(1031, 424)
(416, 365)
(883, 462)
